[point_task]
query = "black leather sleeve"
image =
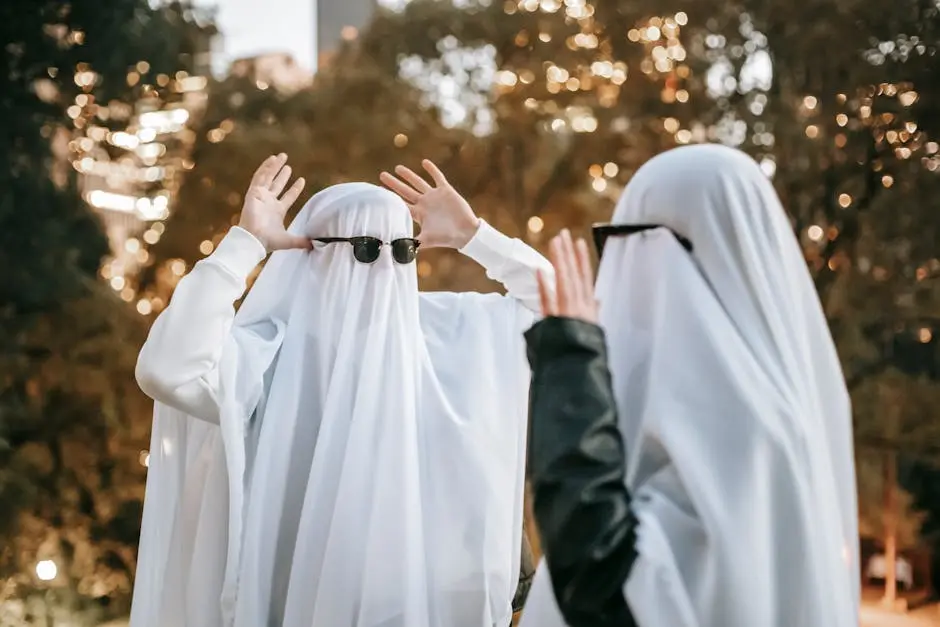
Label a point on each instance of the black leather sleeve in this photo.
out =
(576, 467)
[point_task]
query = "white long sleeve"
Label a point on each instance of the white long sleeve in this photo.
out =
(511, 262)
(178, 364)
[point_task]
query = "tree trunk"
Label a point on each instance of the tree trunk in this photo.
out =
(890, 527)
(890, 487)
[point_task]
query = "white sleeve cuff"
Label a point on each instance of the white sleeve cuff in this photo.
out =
(239, 252)
(488, 247)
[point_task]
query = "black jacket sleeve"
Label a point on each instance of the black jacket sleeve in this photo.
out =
(576, 467)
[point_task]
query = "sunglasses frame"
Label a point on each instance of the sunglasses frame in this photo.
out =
(363, 239)
(602, 231)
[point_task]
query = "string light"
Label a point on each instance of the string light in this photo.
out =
(118, 164)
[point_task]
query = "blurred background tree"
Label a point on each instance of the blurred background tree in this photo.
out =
(539, 111)
(71, 479)
(352, 123)
(846, 130)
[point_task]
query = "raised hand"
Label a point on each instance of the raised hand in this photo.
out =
(445, 218)
(265, 206)
(574, 281)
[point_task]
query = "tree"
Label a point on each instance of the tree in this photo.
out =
(565, 106)
(351, 124)
(71, 481)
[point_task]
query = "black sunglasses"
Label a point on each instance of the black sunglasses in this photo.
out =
(366, 249)
(602, 231)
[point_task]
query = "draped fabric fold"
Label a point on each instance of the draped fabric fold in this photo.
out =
(373, 446)
(732, 406)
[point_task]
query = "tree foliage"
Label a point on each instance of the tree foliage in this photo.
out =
(71, 480)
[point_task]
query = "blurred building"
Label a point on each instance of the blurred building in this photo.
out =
(339, 20)
(278, 70)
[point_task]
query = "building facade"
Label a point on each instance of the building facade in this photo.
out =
(278, 70)
(339, 20)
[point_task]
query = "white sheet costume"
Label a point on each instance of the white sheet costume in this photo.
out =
(343, 452)
(732, 407)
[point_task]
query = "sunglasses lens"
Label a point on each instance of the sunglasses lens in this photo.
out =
(366, 249)
(404, 250)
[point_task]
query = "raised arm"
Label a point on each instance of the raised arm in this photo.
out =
(178, 364)
(448, 221)
(576, 466)
(510, 261)
(576, 452)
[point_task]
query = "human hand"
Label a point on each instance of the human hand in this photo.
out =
(445, 218)
(263, 212)
(574, 281)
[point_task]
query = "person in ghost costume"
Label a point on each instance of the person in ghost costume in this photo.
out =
(707, 478)
(344, 451)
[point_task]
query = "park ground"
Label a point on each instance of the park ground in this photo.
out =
(874, 614)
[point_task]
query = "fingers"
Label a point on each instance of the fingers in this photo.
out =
(260, 176)
(407, 194)
(574, 288)
(545, 296)
(562, 277)
(585, 271)
(280, 180)
(269, 169)
(293, 193)
(573, 276)
(416, 181)
(436, 175)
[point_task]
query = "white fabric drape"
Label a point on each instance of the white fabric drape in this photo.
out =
(183, 536)
(732, 405)
(373, 447)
